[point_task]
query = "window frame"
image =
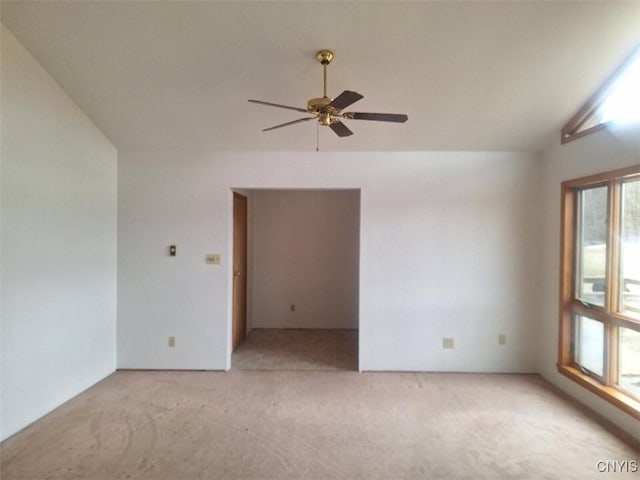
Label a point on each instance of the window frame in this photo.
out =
(573, 128)
(570, 307)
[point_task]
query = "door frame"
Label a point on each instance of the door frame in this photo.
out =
(242, 272)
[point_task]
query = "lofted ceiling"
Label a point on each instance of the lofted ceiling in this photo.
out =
(479, 75)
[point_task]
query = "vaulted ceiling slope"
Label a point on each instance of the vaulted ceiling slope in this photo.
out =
(471, 75)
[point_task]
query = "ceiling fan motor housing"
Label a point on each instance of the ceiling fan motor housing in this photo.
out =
(322, 108)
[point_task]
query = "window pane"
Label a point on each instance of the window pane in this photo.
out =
(589, 343)
(629, 368)
(630, 250)
(592, 245)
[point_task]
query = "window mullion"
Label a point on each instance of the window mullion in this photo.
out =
(613, 249)
(612, 299)
(612, 352)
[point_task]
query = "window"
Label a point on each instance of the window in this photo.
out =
(600, 286)
(617, 100)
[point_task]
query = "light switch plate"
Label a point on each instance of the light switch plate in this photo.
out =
(447, 342)
(213, 258)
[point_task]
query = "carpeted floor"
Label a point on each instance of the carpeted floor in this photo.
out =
(297, 349)
(320, 425)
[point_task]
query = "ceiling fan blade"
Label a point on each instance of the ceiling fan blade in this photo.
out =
(289, 123)
(340, 129)
(280, 106)
(345, 99)
(380, 117)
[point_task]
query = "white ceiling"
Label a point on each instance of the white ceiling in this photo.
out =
(470, 75)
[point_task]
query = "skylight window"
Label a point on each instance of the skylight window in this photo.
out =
(616, 101)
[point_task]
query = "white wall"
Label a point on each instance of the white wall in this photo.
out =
(596, 153)
(58, 244)
(448, 247)
(305, 250)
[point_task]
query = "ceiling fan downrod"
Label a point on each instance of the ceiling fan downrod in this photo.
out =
(324, 57)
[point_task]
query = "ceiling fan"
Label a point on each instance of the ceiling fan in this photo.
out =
(328, 111)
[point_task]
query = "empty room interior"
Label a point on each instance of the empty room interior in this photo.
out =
(355, 239)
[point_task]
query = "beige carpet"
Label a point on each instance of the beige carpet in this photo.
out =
(297, 349)
(322, 425)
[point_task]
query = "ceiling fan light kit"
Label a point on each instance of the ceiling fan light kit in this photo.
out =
(328, 111)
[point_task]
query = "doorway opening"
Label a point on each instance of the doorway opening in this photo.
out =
(302, 272)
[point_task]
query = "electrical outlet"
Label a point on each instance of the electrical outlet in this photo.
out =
(502, 339)
(172, 341)
(447, 342)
